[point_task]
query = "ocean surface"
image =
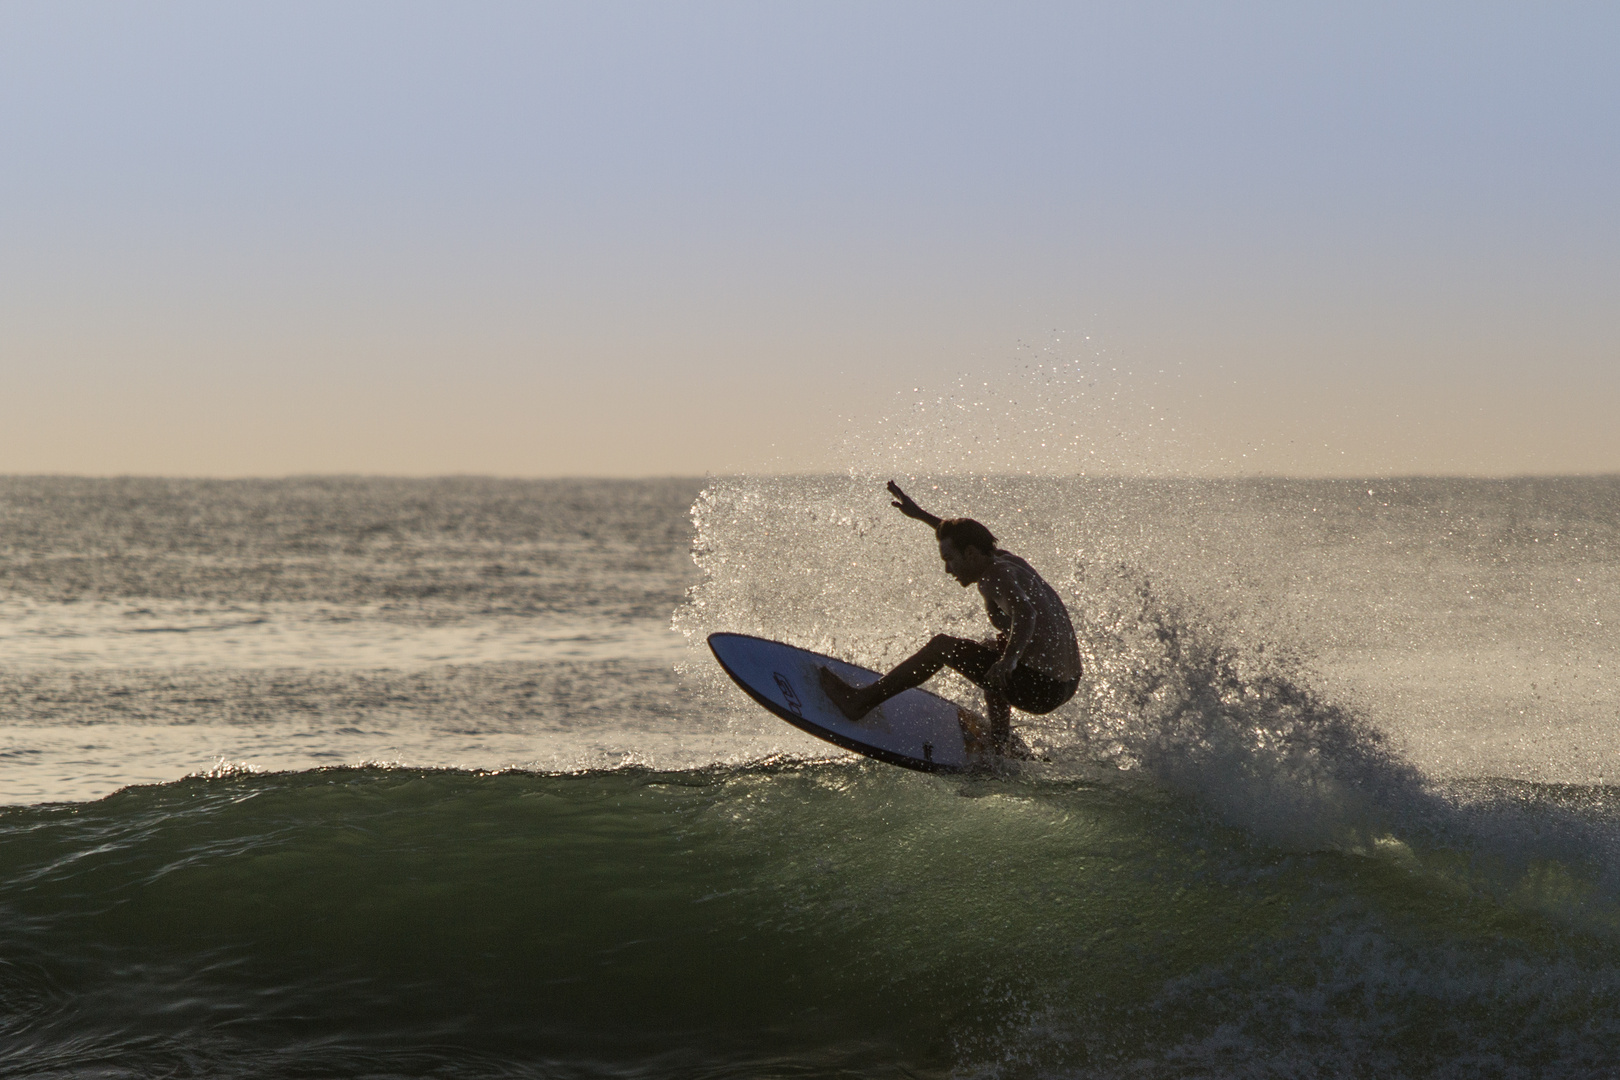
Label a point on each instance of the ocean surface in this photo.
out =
(435, 778)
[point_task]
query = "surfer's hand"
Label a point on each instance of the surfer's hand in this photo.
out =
(905, 504)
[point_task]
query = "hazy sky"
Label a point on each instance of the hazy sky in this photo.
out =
(624, 239)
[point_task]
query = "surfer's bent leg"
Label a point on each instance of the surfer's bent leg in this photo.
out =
(969, 657)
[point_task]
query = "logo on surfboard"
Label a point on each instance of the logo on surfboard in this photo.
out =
(788, 693)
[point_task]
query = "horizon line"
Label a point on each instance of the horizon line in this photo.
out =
(651, 477)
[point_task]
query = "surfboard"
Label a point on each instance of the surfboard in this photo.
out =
(914, 729)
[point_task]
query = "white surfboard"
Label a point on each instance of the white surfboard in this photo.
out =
(915, 729)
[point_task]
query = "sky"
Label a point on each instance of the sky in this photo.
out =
(628, 239)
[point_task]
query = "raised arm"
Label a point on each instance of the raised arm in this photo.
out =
(1002, 590)
(904, 504)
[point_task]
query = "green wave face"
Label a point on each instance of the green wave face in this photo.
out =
(769, 920)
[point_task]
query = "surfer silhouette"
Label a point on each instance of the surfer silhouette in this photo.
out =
(1033, 662)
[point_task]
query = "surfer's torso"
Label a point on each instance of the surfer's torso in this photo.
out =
(1012, 591)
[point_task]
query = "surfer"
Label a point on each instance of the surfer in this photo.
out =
(1033, 662)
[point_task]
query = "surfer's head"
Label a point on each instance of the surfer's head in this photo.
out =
(967, 547)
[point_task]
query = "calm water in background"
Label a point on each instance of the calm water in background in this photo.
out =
(435, 778)
(153, 629)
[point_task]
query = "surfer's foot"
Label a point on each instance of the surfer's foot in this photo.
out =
(843, 695)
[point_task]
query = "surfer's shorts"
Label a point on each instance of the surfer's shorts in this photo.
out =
(1027, 690)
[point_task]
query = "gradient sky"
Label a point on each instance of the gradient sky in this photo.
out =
(631, 239)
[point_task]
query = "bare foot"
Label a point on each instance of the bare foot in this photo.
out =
(975, 733)
(843, 695)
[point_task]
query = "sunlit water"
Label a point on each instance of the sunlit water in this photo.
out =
(436, 778)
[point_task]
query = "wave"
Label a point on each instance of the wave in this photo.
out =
(775, 918)
(1184, 685)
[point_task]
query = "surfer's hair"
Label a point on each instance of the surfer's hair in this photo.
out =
(966, 533)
